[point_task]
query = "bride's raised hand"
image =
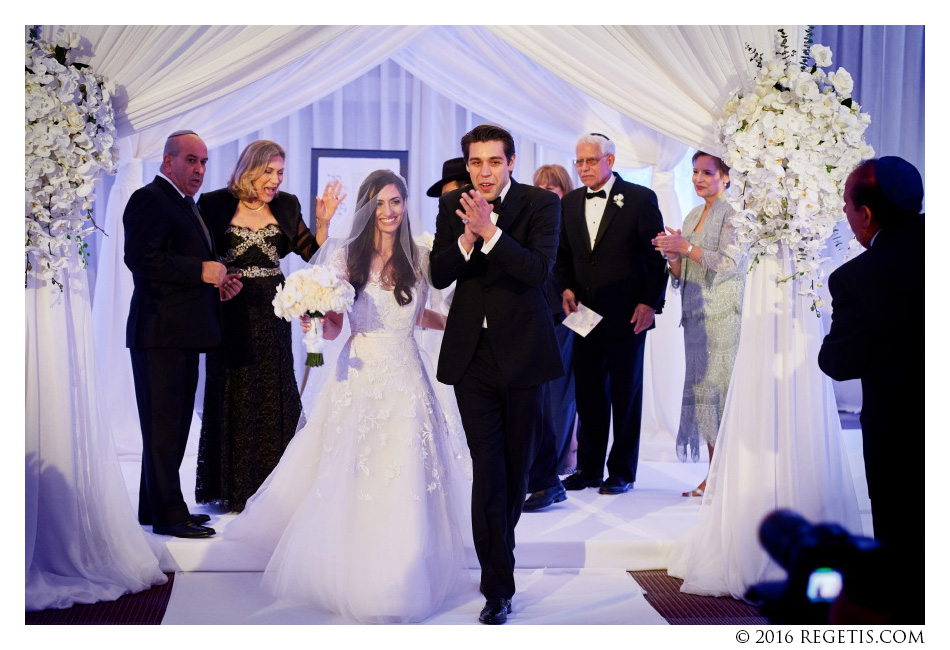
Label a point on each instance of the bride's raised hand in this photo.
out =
(329, 202)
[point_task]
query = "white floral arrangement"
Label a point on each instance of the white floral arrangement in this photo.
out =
(791, 141)
(618, 199)
(70, 138)
(313, 291)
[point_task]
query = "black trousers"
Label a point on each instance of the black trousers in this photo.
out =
(608, 374)
(503, 427)
(165, 383)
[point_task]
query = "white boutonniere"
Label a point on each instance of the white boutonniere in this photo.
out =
(618, 199)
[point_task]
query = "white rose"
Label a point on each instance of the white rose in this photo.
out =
(842, 82)
(806, 88)
(74, 119)
(821, 55)
(748, 107)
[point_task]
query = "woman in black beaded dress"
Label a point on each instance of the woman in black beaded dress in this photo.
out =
(252, 405)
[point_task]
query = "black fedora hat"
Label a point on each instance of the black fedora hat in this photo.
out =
(452, 170)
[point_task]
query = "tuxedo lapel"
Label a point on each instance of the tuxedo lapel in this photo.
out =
(511, 206)
(610, 211)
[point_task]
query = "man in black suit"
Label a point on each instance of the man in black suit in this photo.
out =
(605, 261)
(877, 335)
(497, 241)
(174, 315)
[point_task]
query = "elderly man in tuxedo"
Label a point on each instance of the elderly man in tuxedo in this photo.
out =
(605, 261)
(497, 240)
(174, 315)
(882, 347)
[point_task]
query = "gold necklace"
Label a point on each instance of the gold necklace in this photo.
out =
(257, 209)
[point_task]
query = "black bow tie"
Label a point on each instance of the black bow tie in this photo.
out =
(496, 206)
(602, 194)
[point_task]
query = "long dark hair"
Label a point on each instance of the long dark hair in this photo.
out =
(359, 254)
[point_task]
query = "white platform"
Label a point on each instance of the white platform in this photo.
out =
(580, 550)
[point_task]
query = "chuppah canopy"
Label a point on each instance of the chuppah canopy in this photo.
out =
(674, 80)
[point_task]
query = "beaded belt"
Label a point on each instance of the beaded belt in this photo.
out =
(256, 271)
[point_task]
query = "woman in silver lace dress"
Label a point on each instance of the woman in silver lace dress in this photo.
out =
(707, 266)
(252, 404)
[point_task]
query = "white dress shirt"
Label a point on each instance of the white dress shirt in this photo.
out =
(594, 209)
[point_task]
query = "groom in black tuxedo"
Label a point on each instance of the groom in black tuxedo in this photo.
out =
(605, 261)
(497, 241)
(174, 315)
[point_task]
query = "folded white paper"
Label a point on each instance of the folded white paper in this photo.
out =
(583, 320)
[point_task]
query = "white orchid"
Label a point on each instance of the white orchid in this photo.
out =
(791, 140)
(70, 138)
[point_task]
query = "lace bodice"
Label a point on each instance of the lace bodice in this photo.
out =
(253, 253)
(376, 311)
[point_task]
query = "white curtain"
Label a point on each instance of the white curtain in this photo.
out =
(392, 109)
(83, 543)
(164, 71)
(672, 79)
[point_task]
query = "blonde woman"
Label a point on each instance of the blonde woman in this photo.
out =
(252, 405)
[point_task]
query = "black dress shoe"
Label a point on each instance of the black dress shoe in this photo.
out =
(614, 485)
(187, 529)
(544, 498)
(580, 480)
(199, 519)
(495, 611)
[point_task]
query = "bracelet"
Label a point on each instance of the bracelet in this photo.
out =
(689, 250)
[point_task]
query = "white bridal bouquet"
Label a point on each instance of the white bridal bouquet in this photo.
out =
(313, 291)
(791, 141)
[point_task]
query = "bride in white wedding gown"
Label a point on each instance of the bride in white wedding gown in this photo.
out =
(367, 512)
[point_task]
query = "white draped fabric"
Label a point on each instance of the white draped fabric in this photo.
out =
(779, 443)
(83, 543)
(545, 121)
(163, 72)
(110, 310)
(672, 79)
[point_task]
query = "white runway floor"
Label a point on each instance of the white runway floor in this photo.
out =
(572, 557)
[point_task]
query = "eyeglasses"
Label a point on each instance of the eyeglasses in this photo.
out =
(590, 162)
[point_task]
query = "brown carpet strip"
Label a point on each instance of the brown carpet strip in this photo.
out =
(144, 608)
(663, 593)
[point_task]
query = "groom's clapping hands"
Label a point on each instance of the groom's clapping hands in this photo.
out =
(476, 215)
